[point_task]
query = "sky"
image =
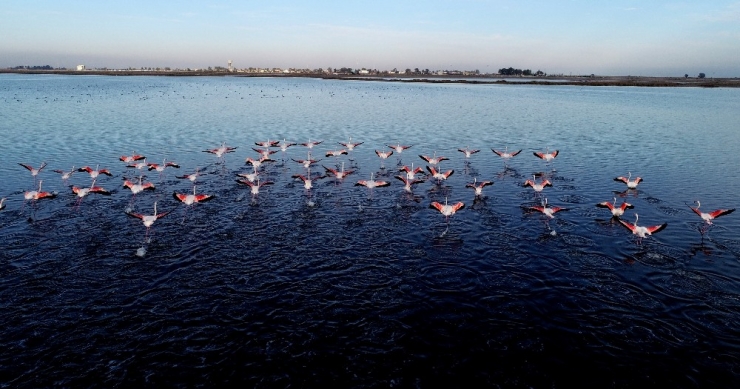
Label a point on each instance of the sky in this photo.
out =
(639, 38)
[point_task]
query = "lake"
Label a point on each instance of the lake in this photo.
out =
(342, 284)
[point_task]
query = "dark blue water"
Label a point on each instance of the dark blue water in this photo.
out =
(367, 288)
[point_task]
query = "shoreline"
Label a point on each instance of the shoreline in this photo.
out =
(434, 79)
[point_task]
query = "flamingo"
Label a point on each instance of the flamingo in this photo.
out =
(139, 165)
(478, 187)
(310, 144)
(65, 175)
(160, 168)
(82, 192)
(371, 183)
(616, 211)
(349, 145)
(411, 171)
(190, 199)
(547, 211)
(383, 156)
(308, 161)
(138, 188)
(284, 147)
(439, 175)
(631, 184)
(468, 152)
(446, 209)
(546, 156)
(265, 153)
(285, 144)
(132, 158)
(251, 177)
(641, 231)
(255, 186)
(192, 177)
(336, 153)
(96, 172)
(407, 183)
(148, 220)
(339, 174)
(38, 194)
(2, 203)
(506, 154)
(307, 181)
(258, 162)
(268, 143)
(34, 172)
(220, 151)
(399, 148)
(537, 187)
(709, 216)
(433, 160)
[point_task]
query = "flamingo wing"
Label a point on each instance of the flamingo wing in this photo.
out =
(654, 229)
(605, 204)
(179, 196)
(486, 183)
(203, 198)
(458, 206)
(361, 182)
(515, 153)
(721, 212)
(558, 209)
(539, 155)
(136, 215)
(403, 179)
(100, 190)
(439, 207)
(448, 173)
(628, 225)
(696, 210)
(622, 179)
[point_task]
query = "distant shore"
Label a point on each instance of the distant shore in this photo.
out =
(440, 79)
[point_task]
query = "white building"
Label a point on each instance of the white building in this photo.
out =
(80, 67)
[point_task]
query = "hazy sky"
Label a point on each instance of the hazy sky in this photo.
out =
(579, 37)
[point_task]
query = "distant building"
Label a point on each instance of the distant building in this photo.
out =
(80, 68)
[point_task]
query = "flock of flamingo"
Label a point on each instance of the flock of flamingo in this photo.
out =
(408, 175)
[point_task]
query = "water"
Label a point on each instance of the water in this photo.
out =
(367, 288)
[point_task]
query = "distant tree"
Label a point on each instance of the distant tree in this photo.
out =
(702, 75)
(527, 72)
(686, 75)
(416, 70)
(407, 71)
